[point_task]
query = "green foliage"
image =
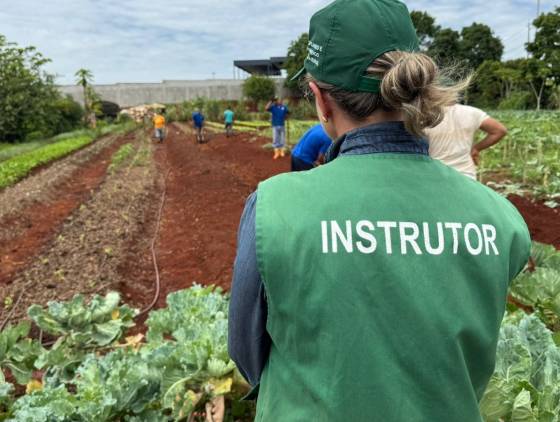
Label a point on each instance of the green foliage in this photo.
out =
(426, 28)
(530, 155)
(520, 100)
(302, 110)
(18, 353)
(526, 382)
(16, 168)
(540, 289)
(183, 365)
(446, 46)
(295, 60)
(120, 156)
(259, 88)
(80, 328)
(29, 100)
(479, 44)
(547, 39)
(18, 161)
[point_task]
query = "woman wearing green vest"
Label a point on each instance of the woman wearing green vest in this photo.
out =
(372, 288)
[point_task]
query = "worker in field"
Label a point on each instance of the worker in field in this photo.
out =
(159, 126)
(279, 113)
(229, 117)
(453, 140)
(372, 288)
(198, 123)
(311, 149)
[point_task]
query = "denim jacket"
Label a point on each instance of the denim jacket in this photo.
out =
(248, 340)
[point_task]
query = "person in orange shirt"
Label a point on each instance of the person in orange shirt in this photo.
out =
(159, 125)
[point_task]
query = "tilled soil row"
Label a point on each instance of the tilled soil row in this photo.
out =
(45, 184)
(206, 190)
(25, 231)
(87, 251)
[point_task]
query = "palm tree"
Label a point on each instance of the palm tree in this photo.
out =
(83, 78)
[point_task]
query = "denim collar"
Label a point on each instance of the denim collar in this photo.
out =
(386, 137)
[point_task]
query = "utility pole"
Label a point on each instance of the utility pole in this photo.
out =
(538, 8)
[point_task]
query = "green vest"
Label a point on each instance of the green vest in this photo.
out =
(386, 278)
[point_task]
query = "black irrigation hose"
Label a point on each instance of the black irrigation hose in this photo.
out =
(153, 248)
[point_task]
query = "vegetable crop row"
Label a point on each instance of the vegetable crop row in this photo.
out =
(16, 168)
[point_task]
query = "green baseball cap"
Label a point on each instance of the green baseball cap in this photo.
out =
(348, 35)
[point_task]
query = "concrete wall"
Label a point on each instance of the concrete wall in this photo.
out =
(167, 92)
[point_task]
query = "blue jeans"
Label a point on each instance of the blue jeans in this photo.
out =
(278, 136)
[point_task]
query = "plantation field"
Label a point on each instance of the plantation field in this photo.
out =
(126, 215)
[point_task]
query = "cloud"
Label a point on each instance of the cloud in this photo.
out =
(144, 41)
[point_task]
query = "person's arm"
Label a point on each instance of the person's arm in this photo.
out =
(495, 132)
(248, 340)
(320, 160)
(268, 106)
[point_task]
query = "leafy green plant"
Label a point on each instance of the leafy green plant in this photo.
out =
(90, 376)
(526, 382)
(81, 328)
(18, 353)
(120, 156)
(16, 168)
(545, 256)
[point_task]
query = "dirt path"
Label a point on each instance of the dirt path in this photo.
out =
(24, 233)
(206, 190)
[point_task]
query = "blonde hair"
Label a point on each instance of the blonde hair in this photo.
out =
(411, 83)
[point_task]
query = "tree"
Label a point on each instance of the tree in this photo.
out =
(296, 58)
(27, 93)
(67, 114)
(538, 76)
(426, 28)
(546, 46)
(446, 46)
(259, 88)
(84, 77)
(496, 81)
(479, 44)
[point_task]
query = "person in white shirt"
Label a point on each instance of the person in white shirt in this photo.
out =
(452, 141)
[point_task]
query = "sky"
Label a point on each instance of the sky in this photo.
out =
(148, 41)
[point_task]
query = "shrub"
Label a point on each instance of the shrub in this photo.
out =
(521, 100)
(259, 88)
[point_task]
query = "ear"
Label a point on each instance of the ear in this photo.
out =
(322, 102)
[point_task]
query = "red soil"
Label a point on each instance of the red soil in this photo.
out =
(206, 191)
(41, 221)
(543, 222)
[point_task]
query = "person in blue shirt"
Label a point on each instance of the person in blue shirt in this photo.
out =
(279, 115)
(311, 149)
(198, 122)
(229, 115)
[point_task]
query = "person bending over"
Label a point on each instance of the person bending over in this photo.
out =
(311, 149)
(198, 123)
